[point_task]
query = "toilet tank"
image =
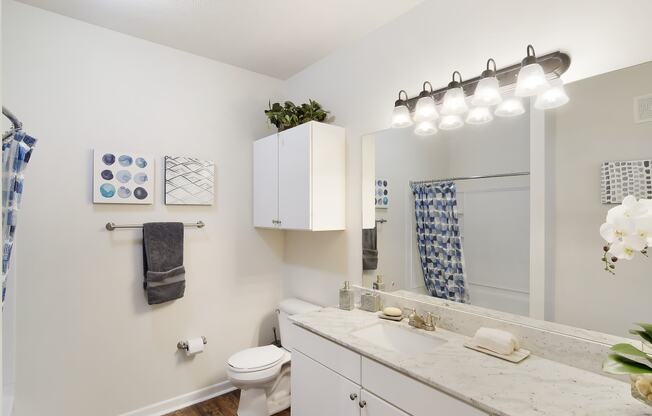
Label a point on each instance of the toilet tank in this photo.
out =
(289, 307)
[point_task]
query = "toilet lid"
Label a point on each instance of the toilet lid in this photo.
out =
(258, 358)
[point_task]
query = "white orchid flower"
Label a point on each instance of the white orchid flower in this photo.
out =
(626, 248)
(617, 229)
(643, 228)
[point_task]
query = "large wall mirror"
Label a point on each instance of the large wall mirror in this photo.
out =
(476, 182)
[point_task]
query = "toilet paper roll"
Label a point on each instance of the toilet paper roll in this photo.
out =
(195, 346)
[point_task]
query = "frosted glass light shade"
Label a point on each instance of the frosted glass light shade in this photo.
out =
(553, 97)
(531, 81)
(479, 115)
(487, 93)
(450, 122)
(425, 128)
(454, 102)
(401, 117)
(426, 110)
(510, 107)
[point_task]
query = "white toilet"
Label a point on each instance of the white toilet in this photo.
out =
(263, 373)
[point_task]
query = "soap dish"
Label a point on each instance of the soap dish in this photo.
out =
(390, 318)
(515, 357)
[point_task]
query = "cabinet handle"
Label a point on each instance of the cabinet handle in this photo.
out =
(353, 396)
(362, 404)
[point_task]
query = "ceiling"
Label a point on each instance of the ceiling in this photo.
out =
(273, 37)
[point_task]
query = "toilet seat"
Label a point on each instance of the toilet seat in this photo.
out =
(256, 359)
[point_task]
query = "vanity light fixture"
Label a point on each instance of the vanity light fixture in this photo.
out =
(450, 122)
(531, 78)
(479, 115)
(425, 128)
(553, 97)
(454, 99)
(426, 109)
(510, 107)
(401, 114)
(487, 92)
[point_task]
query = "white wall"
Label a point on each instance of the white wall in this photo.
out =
(359, 85)
(87, 342)
(596, 126)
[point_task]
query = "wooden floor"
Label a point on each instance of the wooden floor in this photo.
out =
(226, 405)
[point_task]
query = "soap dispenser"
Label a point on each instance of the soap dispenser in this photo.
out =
(379, 284)
(347, 298)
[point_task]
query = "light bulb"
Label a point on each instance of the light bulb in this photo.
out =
(450, 122)
(531, 78)
(426, 110)
(401, 113)
(510, 107)
(454, 102)
(425, 128)
(553, 97)
(487, 93)
(479, 115)
(401, 117)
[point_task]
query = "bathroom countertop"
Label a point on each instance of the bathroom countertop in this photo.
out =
(534, 387)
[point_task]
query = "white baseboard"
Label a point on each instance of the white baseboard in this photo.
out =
(185, 400)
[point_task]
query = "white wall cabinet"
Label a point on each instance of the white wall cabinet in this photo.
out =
(299, 179)
(323, 385)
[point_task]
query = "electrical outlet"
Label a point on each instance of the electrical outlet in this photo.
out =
(643, 108)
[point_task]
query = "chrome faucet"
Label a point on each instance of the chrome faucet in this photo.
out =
(426, 322)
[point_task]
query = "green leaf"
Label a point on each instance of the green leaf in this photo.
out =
(647, 338)
(617, 364)
(646, 327)
(632, 353)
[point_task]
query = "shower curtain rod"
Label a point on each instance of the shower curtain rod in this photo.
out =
(465, 178)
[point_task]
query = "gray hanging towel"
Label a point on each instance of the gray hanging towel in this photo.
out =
(369, 249)
(163, 261)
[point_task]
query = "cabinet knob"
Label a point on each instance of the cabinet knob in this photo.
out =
(362, 404)
(353, 396)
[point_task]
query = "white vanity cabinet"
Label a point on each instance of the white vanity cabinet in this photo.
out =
(329, 379)
(299, 179)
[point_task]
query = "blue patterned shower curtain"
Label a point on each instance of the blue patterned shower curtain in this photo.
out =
(16, 152)
(439, 241)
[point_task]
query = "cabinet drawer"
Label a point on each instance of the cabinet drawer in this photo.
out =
(328, 353)
(375, 406)
(411, 395)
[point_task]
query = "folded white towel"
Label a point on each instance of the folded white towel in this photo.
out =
(501, 342)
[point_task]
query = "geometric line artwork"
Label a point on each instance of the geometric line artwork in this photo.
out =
(621, 178)
(189, 181)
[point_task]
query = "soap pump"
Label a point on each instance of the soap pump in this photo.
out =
(347, 298)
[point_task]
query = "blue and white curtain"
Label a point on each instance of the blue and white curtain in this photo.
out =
(439, 240)
(16, 152)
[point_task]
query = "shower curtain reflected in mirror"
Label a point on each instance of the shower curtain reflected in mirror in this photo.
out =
(439, 241)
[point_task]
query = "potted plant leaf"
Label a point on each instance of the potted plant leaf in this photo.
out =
(626, 359)
(288, 115)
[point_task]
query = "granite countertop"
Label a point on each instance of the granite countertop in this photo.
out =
(534, 387)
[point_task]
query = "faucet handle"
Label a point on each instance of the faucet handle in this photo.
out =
(430, 321)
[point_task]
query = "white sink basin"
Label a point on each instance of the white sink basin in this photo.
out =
(398, 339)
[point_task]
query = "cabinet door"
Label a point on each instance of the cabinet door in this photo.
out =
(265, 198)
(375, 406)
(319, 391)
(294, 178)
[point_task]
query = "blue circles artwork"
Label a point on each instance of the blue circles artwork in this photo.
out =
(123, 176)
(141, 177)
(141, 162)
(108, 159)
(107, 175)
(124, 192)
(140, 193)
(125, 160)
(107, 190)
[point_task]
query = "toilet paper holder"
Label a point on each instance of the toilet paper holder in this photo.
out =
(183, 345)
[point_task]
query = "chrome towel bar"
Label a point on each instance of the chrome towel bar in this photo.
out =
(112, 226)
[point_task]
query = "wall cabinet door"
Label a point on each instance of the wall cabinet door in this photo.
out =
(294, 175)
(265, 175)
(319, 391)
(375, 406)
